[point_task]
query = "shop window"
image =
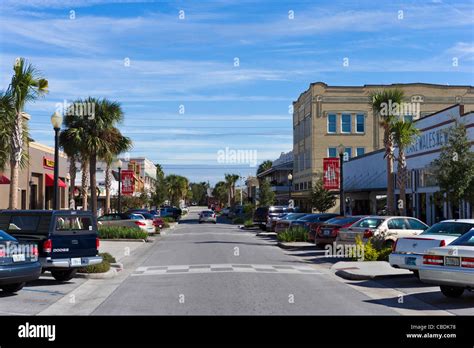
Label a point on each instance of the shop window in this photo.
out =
(332, 123)
(360, 123)
(332, 152)
(360, 151)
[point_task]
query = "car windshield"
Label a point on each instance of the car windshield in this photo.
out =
(342, 220)
(293, 216)
(276, 211)
(136, 217)
(147, 216)
(369, 223)
(449, 228)
(466, 239)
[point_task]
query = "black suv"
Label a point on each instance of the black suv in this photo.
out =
(66, 239)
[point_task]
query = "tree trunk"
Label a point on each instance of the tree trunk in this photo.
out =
(72, 175)
(92, 170)
(108, 184)
(85, 183)
(15, 158)
(402, 177)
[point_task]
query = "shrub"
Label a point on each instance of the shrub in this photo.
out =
(238, 221)
(248, 223)
(107, 257)
(298, 234)
(374, 250)
(384, 253)
(120, 232)
(102, 267)
(169, 219)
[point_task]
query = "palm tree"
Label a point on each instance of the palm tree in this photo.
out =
(403, 136)
(230, 180)
(93, 137)
(117, 144)
(26, 85)
(177, 187)
(380, 102)
(265, 165)
(7, 116)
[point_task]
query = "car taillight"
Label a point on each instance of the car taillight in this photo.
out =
(2, 253)
(335, 231)
(467, 262)
(368, 233)
(433, 260)
(47, 246)
(140, 223)
(442, 243)
(97, 243)
(394, 246)
(34, 250)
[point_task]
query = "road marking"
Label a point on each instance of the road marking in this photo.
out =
(212, 233)
(221, 268)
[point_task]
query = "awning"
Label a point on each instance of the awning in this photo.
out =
(50, 181)
(4, 179)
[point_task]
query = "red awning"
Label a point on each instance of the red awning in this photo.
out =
(50, 181)
(4, 179)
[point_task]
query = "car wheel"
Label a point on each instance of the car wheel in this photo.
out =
(64, 275)
(263, 227)
(12, 288)
(451, 291)
(215, 222)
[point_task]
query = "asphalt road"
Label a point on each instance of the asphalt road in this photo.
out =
(206, 269)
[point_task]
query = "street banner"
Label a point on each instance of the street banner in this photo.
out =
(331, 173)
(128, 183)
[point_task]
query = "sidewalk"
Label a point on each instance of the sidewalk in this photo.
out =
(366, 270)
(297, 245)
(120, 249)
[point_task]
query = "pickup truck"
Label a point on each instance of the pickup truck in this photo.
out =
(66, 239)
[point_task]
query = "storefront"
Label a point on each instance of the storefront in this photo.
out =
(365, 177)
(36, 180)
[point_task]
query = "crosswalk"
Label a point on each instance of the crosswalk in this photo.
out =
(223, 268)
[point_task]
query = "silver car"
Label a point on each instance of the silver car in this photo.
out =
(207, 216)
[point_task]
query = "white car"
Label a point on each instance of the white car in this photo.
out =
(451, 267)
(408, 251)
(207, 216)
(391, 227)
(131, 220)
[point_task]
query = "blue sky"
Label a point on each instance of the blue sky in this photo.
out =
(190, 62)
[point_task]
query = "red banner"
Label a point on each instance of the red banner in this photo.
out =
(331, 173)
(128, 182)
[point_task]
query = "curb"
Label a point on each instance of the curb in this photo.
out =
(111, 273)
(294, 247)
(124, 240)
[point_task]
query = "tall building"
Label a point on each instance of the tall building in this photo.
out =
(326, 116)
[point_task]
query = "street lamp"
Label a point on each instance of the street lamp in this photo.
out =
(56, 121)
(340, 150)
(290, 184)
(118, 164)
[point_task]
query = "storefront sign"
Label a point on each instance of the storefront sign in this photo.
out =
(128, 182)
(48, 163)
(331, 173)
(427, 141)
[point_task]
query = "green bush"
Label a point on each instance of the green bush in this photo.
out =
(107, 257)
(297, 234)
(102, 267)
(248, 223)
(169, 219)
(120, 232)
(238, 221)
(374, 250)
(384, 253)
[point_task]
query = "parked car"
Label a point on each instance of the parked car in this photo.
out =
(66, 239)
(155, 219)
(451, 267)
(272, 221)
(408, 251)
(18, 263)
(235, 211)
(310, 222)
(173, 212)
(274, 214)
(284, 223)
(327, 232)
(390, 227)
(207, 216)
(130, 220)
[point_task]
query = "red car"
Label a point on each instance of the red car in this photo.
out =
(326, 233)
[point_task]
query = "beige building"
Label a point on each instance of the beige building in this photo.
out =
(326, 116)
(35, 189)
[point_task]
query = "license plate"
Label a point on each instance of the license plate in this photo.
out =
(76, 261)
(452, 261)
(410, 261)
(327, 232)
(18, 257)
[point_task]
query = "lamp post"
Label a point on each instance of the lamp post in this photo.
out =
(118, 164)
(290, 184)
(56, 121)
(340, 150)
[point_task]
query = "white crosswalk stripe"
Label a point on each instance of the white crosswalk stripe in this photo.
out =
(223, 268)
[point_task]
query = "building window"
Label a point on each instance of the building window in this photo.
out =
(332, 151)
(408, 118)
(332, 123)
(307, 163)
(346, 123)
(360, 123)
(347, 153)
(305, 185)
(360, 151)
